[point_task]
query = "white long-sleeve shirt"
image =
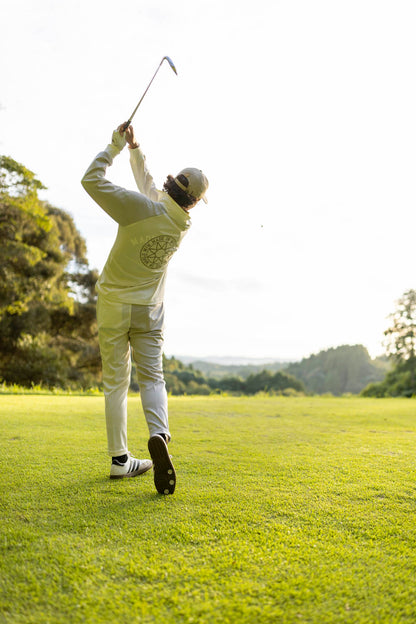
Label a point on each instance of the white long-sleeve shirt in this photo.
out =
(151, 226)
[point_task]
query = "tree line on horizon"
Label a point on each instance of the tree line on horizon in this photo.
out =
(347, 369)
(48, 328)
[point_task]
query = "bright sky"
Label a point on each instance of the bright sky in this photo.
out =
(302, 115)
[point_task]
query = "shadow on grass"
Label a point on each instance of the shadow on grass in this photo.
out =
(100, 507)
(104, 492)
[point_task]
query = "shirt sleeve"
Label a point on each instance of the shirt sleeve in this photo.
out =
(144, 180)
(125, 207)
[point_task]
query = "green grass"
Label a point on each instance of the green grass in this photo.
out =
(286, 510)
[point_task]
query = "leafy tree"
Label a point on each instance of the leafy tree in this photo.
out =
(400, 340)
(228, 384)
(23, 225)
(400, 344)
(181, 379)
(48, 330)
(266, 381)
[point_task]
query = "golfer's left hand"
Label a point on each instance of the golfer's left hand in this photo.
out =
(118, 139)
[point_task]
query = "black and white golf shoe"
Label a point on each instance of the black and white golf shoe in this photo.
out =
(163, 470)
(131, 468)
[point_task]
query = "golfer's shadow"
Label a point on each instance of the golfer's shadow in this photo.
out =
(133, 490)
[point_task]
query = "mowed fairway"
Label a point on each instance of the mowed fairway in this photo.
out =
(286, 510)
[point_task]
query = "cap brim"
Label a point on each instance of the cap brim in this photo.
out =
(204, 199)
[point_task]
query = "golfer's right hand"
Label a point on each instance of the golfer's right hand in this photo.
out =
(130, 138)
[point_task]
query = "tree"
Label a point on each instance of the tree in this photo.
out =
(265, 381)
(48, 330)
(400, 344)
(23, 227)
(400, 340)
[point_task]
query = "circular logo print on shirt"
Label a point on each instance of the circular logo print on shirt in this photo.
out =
(157, 251)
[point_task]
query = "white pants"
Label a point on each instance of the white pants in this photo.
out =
(121, 326)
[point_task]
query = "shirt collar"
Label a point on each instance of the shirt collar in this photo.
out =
(178, 214)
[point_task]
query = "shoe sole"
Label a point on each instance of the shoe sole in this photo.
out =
(163, 470)
(135, 473)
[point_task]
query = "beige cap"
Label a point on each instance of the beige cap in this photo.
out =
(198, 183)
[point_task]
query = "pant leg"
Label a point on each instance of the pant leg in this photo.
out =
(113, 326)
(146, 339)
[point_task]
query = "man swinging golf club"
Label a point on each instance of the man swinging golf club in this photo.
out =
(130, 314)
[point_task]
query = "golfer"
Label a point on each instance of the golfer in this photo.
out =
(130, 314)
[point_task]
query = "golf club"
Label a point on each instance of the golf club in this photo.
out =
(165, 58)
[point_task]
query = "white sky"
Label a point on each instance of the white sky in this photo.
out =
(301, 113)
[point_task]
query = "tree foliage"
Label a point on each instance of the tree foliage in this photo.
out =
(48, 331)
(182, 379)
(342, 370)
(400, 344)
(400, 337)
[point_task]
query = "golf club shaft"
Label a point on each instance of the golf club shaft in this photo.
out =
(126, 125)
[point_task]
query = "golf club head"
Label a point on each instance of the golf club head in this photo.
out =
(169, 60)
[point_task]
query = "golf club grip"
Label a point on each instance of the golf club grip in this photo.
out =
(126, 125)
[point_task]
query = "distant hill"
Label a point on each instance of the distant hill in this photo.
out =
(230, 360)
(341, 370)
(218, 371)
